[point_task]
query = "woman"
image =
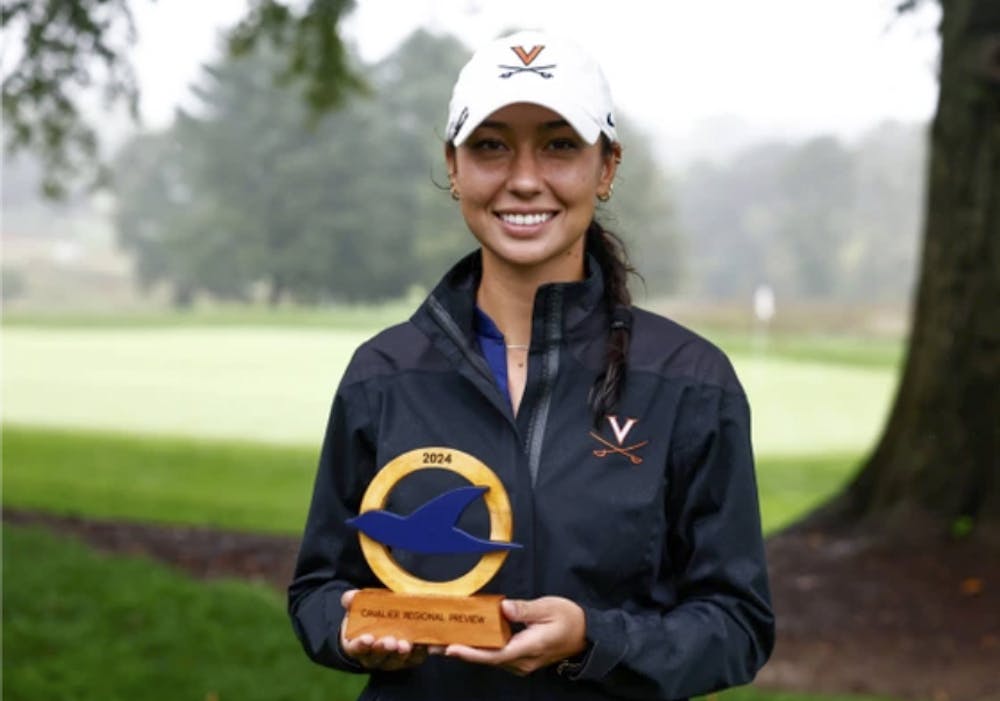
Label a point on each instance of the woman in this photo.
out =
(621, 437)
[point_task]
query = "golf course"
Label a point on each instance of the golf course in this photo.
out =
(218, 424)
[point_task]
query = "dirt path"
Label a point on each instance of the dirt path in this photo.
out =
(852, 617)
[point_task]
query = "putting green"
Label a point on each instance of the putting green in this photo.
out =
(804, 407)
(275, 384)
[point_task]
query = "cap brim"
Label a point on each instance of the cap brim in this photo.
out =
(582, 122)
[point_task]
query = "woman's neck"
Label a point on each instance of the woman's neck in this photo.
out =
(508, 298)
(509, 303)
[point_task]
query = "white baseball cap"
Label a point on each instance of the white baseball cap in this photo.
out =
(535, 67)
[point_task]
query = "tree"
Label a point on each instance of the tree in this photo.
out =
(241, 194)
(238, 197)
(880, 255)
(641, 212)
(815, 185)
(70, 45)
(937, 463)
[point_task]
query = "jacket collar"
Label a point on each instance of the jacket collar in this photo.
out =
(560, 309)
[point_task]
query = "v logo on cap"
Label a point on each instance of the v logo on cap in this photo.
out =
(527, 57)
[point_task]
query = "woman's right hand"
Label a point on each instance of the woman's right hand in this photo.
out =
(387, 654)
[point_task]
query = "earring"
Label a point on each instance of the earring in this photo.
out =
(607, 195)
(454, 193)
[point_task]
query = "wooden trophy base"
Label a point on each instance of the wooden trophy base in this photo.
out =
(429, 619)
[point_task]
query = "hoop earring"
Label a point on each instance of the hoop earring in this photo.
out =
(454, 193)
(607, 195)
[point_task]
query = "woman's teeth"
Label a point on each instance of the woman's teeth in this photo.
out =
(526, 219)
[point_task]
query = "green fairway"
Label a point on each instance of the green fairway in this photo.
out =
(240, 413)
(88, 627)
(263, 384)
(238, 485)
(275, 383)
(809, 407)
(260, 487)
(359, 317)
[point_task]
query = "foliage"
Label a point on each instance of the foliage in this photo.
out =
(241, 200)
(13, 283)
(69, 45)
(310, 41)
(935, 464)
(78, 625)
(642, 213)
(244, 196)
(60, 42)
(253, 486)
(815, 220)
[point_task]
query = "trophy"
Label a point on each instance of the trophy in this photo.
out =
(414, 609)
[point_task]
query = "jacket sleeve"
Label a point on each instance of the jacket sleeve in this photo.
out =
(330, 560)
(720, 630)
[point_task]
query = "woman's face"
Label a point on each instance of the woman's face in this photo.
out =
(527, 185)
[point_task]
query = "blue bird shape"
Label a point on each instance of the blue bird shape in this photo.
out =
(431, 528)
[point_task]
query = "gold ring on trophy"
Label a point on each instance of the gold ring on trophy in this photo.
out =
(501, 526)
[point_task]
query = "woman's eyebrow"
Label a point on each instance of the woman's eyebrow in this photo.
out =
(549, 126)
(555, 124)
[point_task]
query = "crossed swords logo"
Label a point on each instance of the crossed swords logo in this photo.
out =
(621, 432)
(527, 58)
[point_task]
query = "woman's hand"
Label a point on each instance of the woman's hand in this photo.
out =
(554, 630)
(387, 654)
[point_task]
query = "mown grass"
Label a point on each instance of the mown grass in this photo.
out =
(837, 350)
(355, 317)
(262, 383)
(180, 480)
(69, 611)
(81, 626)
(260, 487)
(369, 318)
(749, 693)
(84, 626)
(275, 385)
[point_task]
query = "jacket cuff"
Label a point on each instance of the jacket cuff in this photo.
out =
(608, 646)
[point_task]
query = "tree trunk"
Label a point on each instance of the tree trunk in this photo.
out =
(938, 461)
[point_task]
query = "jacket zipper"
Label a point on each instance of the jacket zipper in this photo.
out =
(550, 368)
(552, 330)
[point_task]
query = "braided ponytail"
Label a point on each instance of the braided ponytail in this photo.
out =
(609, 250)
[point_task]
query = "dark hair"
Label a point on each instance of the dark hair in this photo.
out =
(609, 250)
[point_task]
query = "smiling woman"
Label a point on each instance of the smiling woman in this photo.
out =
(527, 184)
(622, 438)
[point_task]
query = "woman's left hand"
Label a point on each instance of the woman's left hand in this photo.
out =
(554, 630)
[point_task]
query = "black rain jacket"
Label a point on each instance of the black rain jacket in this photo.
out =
(649, 521)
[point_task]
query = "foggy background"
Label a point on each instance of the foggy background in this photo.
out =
(756, 159)
(171, 343)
